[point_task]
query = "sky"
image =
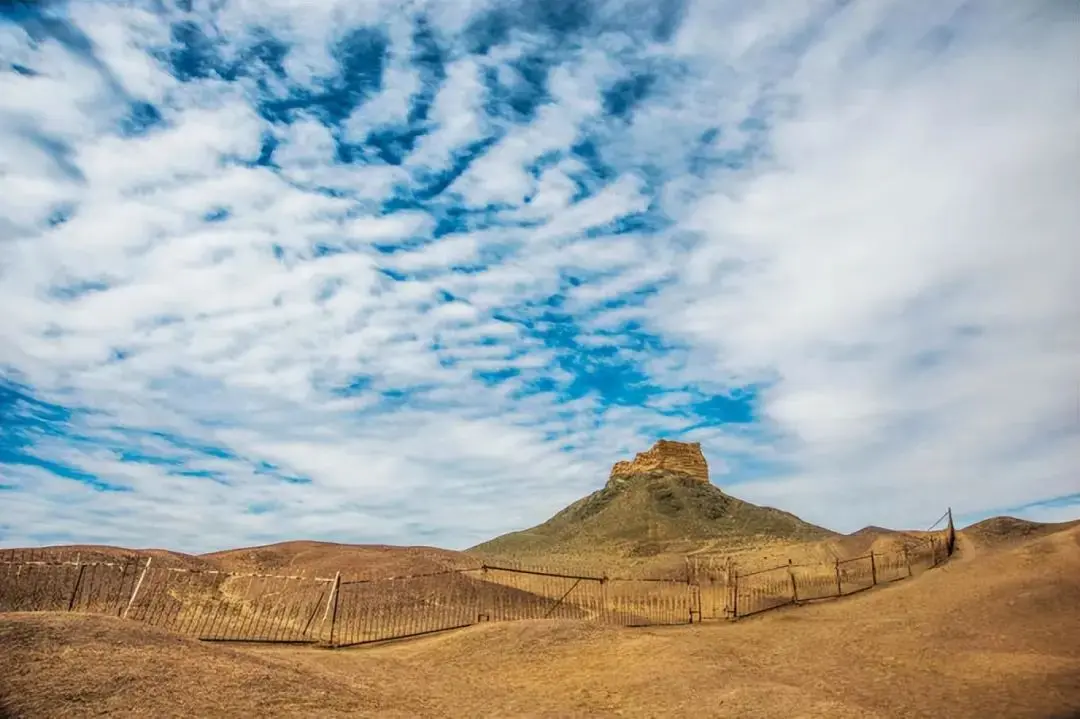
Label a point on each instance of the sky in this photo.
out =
(421, 272)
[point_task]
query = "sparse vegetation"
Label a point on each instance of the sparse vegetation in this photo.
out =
(656, 514)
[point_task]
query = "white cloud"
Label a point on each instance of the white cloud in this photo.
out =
(456, 114)
(893, 261)
(910, 204)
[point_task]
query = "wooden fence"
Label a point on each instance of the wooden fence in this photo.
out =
(738, 594)
(332, 611)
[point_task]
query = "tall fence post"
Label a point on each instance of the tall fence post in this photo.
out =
(933, 552)
(332, 602)
(873, 568)
(839, 587)
(692, 578)
(333, 614)
(138, 585)
(950, 538)
(734, 591)
(794, 589)
(690, 596)
(78, 582)
(907, 560)
(697, 590)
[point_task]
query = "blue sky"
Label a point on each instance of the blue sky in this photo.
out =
(421, 272)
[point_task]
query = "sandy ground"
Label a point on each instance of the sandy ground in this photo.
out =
(995, 633)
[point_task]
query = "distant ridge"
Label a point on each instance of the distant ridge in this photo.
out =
(872, 529)
(659, 502)
(1006, 530)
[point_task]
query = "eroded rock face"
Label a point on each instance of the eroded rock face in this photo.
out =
(683, 457)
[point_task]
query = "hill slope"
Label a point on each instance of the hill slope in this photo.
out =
(996, 633)
(354, 561)
(1009, 530)
(69, 665)
(653, 512)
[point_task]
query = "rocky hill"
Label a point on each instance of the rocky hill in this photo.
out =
(665, 456)
(661, 502)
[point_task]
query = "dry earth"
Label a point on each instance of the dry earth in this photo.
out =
(301, 557)
(994, 633)
(354, 561)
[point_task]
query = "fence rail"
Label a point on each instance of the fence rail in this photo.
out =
(215, 605)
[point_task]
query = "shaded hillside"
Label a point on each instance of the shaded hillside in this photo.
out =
(650, 513)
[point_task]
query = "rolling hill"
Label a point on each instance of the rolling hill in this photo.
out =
(997, 633)
(660, 503)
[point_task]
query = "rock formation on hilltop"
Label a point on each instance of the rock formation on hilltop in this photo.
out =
(665, 456)
(661, 501)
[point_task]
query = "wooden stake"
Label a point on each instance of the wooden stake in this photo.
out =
(138, 584)
(839, 589)
(794, 589)
(690, 596)
(734, 592)
(873, 569)
(78, 583)
(333, 593)
(331, 601)
(333, 615)
(951, 546)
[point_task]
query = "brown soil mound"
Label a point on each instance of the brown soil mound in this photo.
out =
(70, 665)
(1009, 530)
(872, 530)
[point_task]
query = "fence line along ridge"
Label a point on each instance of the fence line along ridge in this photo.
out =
(218, 605)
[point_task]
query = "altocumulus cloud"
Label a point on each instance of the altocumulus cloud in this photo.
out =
(418, 273)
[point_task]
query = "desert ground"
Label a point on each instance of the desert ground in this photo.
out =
(995, 632)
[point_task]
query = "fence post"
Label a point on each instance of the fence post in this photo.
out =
(734, 591)
(138, 584)
(794, 589)
(331, 601)
(933, 552)
(693, 579)
(951, 536)
(686, 557)
(907, 560)
(873, 569)
(483, 608)
(839, 588)
(78, 582)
